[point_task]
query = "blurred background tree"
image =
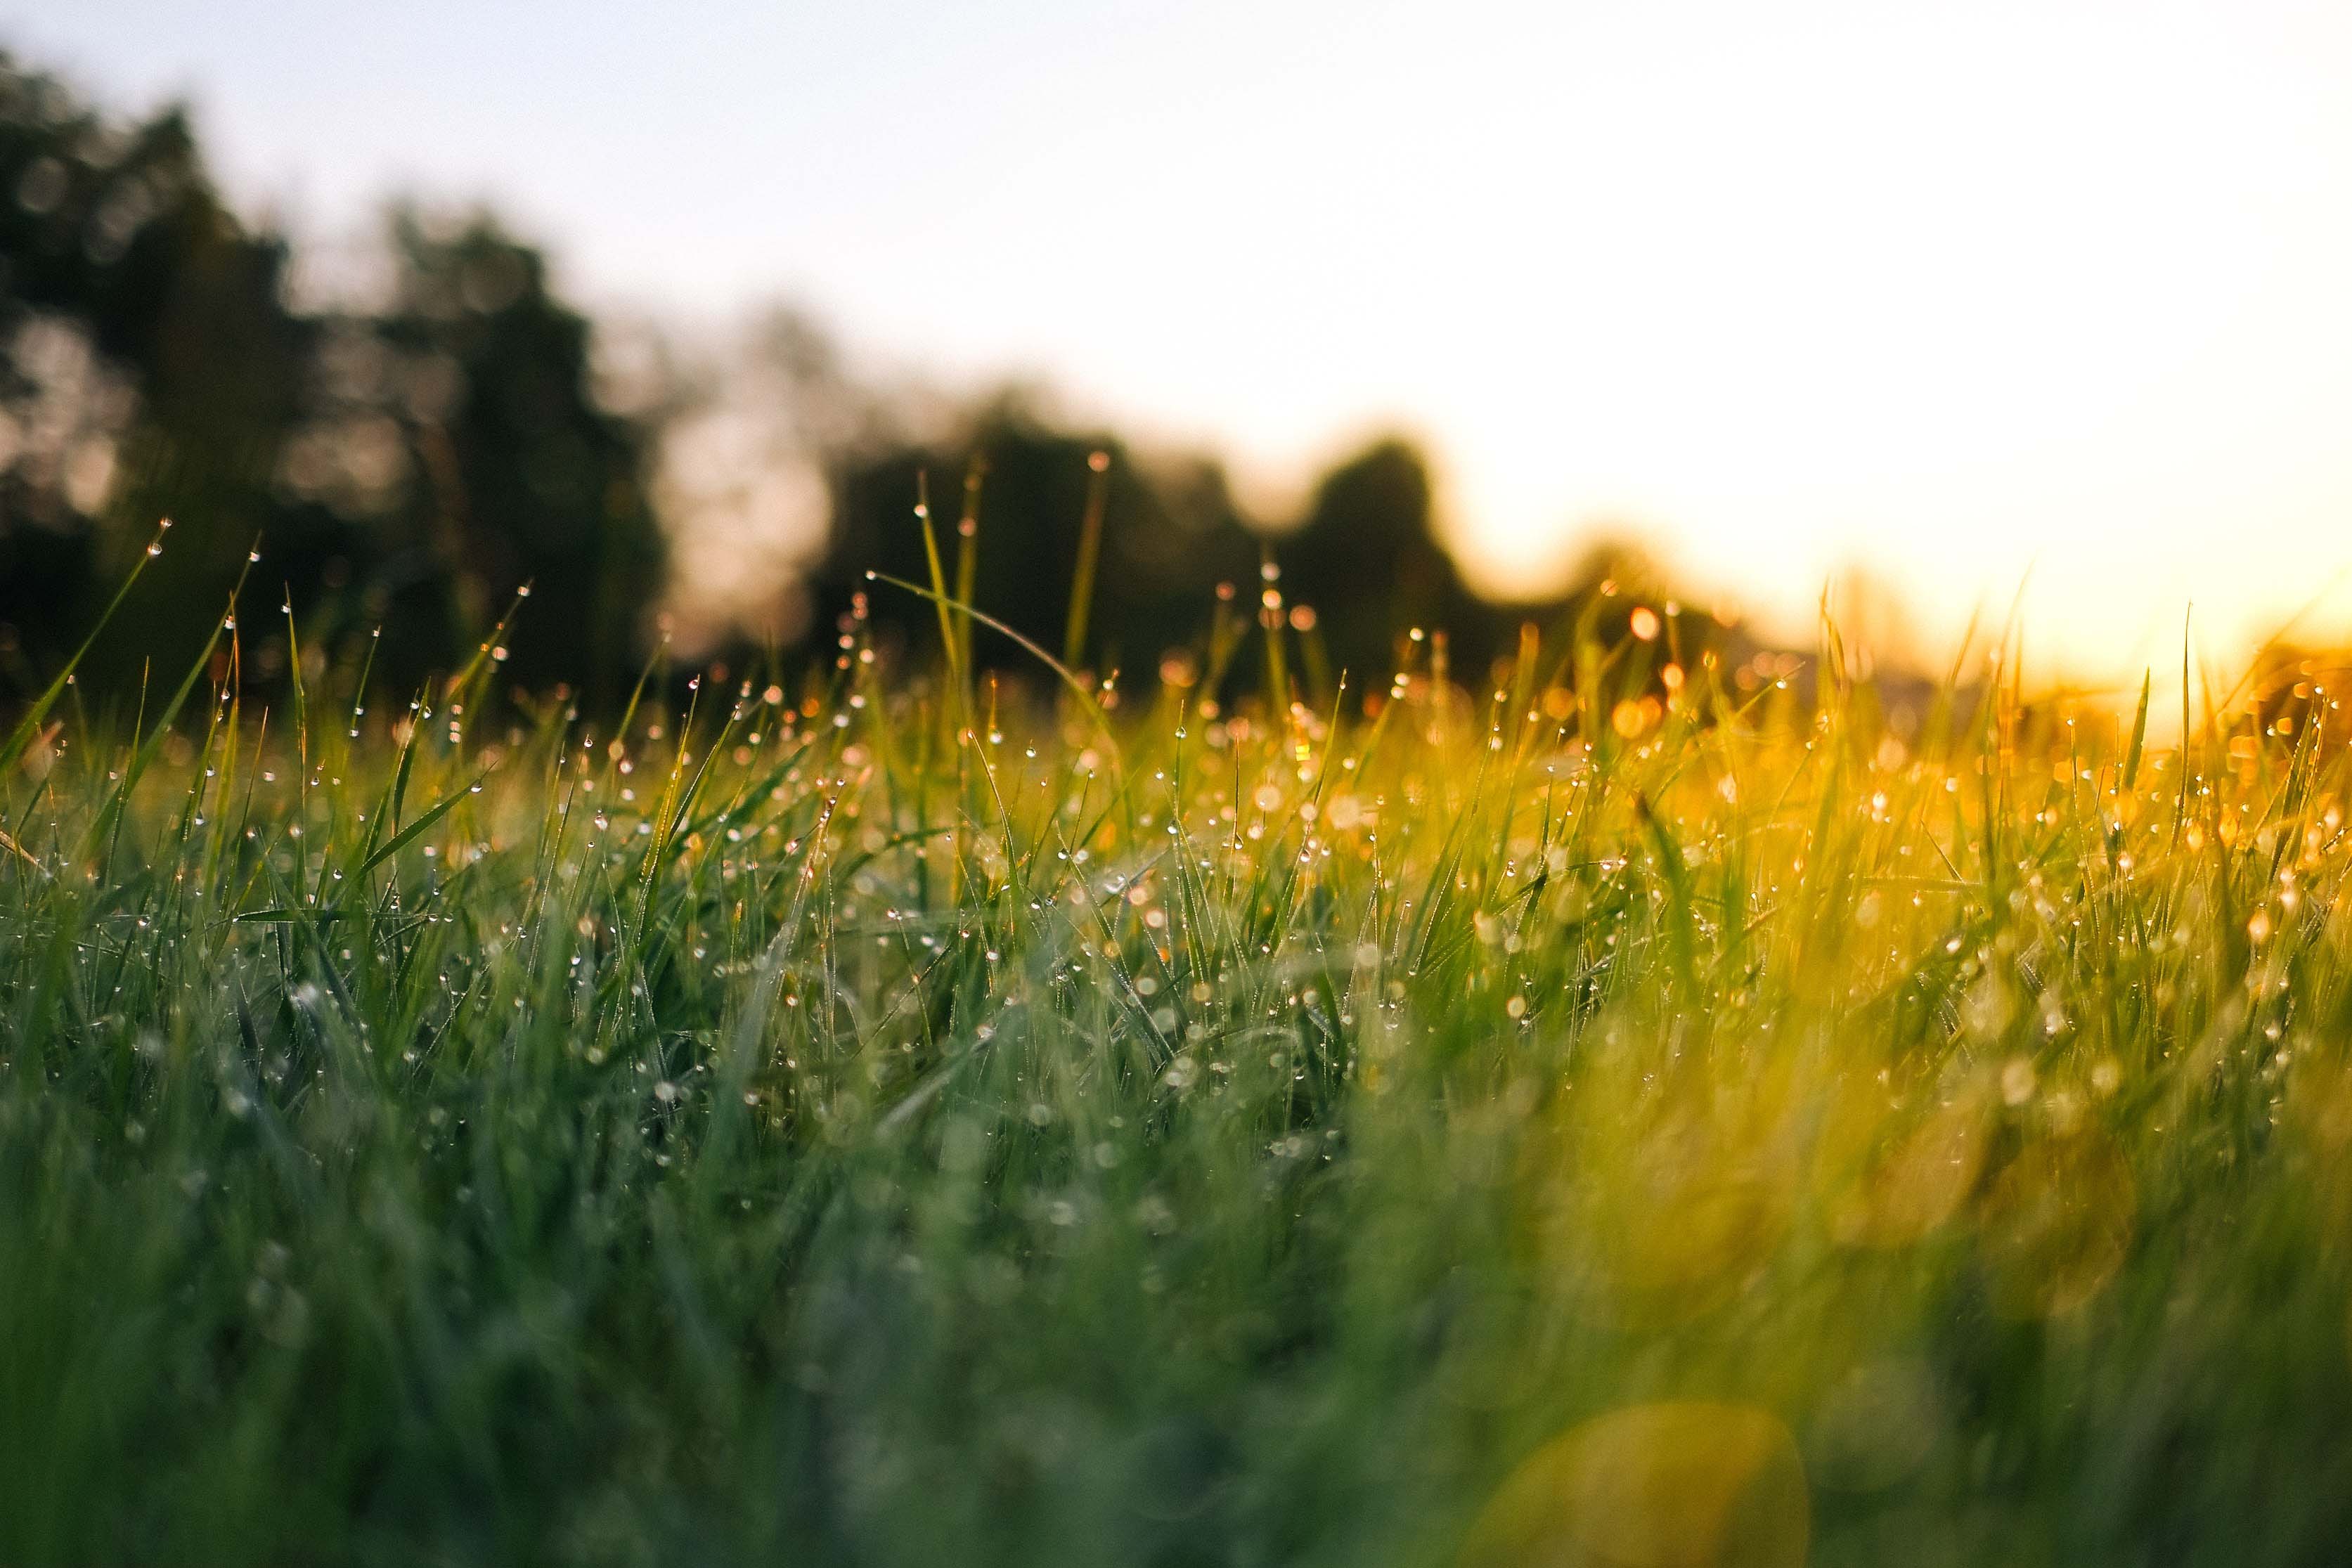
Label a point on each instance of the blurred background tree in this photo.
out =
(1366, 559)
(1170, 534)
(148, 364)
(453, 437)
(408, 463)
(411, 453)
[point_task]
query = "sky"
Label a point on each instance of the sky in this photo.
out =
(1997, 305)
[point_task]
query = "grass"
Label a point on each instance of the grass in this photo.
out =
(885, 1118)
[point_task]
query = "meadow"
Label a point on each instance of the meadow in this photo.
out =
(1600, 1110)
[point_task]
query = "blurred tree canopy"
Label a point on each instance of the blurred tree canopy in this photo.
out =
(1366, 558)
(147, 362)
(1361, 567)
(452, 433)
(1168, 535)
(408, 458)
(409, 463)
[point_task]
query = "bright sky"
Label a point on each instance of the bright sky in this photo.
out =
(1970, 295)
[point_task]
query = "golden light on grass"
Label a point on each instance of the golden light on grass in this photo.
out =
(1680, 1485)
(1915, 1179)
(1669, 1214)
(1634, 717)
(1432, 1101)
(2057, 1225)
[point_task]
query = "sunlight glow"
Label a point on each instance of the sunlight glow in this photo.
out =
(1965, 298)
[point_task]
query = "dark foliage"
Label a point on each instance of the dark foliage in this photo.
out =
(408, 464)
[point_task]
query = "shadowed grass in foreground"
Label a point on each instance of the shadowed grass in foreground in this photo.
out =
(893, 1122)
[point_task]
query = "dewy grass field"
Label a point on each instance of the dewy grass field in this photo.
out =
(886, 1118)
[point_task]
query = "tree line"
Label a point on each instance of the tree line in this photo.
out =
(404, 456)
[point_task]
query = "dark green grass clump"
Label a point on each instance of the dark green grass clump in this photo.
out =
(884, 1122)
